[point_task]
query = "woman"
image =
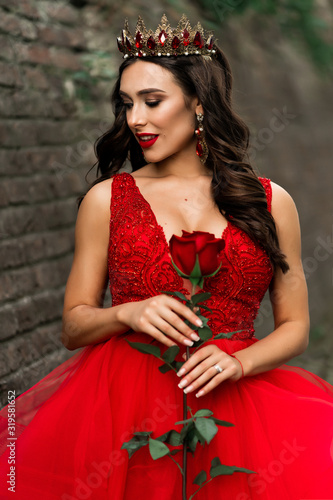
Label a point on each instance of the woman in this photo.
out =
(81, 414)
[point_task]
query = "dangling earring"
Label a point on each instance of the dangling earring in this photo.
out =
(202, 148)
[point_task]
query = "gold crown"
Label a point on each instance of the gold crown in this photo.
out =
(166, 41)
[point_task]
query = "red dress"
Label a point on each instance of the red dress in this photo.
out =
(71, 425)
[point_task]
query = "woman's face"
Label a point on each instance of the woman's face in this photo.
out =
(156, 112)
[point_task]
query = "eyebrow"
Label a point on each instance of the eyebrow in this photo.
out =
(142, 92)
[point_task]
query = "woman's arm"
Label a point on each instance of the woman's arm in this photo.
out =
(288, 293)
(85, 321)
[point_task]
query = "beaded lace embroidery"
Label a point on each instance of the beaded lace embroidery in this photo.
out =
(140, 264)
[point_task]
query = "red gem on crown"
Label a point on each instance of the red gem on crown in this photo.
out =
(186, 37)
(175, 42)
(210, 42)
(162, 37)
(166, 41)
(198, 41)
(151, 44)
(138, 40)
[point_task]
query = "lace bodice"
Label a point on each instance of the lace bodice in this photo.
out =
(140, 263)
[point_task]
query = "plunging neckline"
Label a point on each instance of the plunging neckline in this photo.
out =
(167, 244)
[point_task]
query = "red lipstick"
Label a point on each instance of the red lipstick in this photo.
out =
(146, 140)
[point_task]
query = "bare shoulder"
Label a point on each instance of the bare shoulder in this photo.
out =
(286, 217)
(98, 197)
(283, 204)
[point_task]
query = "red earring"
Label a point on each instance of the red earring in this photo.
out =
(202, 148)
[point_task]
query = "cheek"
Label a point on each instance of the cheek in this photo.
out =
(181, 124)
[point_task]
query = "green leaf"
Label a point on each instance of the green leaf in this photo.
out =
(215, 462)
(192, 439)
(164, 368)
(133, 445)
(184, 421)
(170, 353)
(203, 413)
(146, 348)
(157, 449)
(205, 333)
(206, 427)
(204, 321)
(177, 365)
(174, 452)
(201, 478)
(171, 437)
(226, 335)
(197, 344)
(222, 422)
(201, 439)
(200, 297)
(185, 430)
(176, 294)
(141, 435)
(226, 470)
(206, 308)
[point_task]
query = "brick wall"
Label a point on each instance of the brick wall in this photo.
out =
(52, 108)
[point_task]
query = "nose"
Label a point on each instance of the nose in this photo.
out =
(136, 116)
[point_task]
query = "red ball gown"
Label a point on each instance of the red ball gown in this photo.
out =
(71, 425)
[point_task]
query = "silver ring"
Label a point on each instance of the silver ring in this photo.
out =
(218, 368)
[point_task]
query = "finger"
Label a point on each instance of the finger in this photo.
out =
(205, 367)
(214, 382)
(197, 357)
(207, 376)
(186, 312)
(158, 335)
(178, 324)
(170, 331)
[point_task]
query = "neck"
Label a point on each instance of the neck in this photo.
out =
(182, 165)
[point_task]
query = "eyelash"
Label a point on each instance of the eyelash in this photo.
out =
(151, 104)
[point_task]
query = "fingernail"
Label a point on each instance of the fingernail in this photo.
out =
(188, 389)
(194, 336)
(181, 372)
(188, 342)
(182, 383)
(200, 393)
(199, 322)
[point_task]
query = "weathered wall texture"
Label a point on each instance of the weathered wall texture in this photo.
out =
(57, 64)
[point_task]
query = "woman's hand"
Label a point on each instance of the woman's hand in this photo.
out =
(159, 317)
(199, 373)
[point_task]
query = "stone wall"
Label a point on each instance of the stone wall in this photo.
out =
(57, 64)
(50, 112)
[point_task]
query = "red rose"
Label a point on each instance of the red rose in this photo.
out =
(186, 248)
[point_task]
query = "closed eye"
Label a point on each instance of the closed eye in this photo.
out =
(151, 104)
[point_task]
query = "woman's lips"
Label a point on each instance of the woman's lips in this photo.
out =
(147, 140)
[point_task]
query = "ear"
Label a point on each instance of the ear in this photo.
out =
(199, 108)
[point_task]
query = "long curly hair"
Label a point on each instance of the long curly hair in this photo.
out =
(237, 191)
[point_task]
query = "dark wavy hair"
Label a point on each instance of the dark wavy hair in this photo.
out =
(237, 191)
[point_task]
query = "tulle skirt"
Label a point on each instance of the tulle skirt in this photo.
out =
(71, 425)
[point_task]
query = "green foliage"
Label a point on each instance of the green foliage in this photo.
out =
(157, 449)
(298, 19)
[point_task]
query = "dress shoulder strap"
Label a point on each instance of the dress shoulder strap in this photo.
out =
(268, 189)
(121, 185)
